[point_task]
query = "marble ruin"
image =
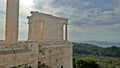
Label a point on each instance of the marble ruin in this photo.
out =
(47, 45)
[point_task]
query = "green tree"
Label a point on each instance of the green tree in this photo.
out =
(87, 63)
(74, 63)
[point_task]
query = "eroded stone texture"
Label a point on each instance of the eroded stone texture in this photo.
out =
(18, 55)
(56, 56)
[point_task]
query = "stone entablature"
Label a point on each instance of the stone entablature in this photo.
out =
(46, 17)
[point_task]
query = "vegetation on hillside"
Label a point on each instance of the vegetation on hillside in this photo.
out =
(89, 49)
(85, 63)
(88, 55)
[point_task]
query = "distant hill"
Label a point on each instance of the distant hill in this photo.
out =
(90, 49)
(103, 43)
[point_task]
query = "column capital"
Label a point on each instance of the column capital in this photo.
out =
(65, 24)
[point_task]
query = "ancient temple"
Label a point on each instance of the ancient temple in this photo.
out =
(47, 45)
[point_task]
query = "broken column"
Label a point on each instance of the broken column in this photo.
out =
(12, 15)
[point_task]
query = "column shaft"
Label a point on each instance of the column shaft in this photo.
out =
(12, 14)
(65, 31)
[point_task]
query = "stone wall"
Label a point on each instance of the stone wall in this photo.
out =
(52, 54)
(56, 55)
(15, 55)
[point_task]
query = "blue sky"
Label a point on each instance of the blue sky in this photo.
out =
(89, 19)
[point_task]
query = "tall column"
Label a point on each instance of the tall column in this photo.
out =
(65, 31)
(12, 15)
